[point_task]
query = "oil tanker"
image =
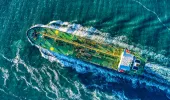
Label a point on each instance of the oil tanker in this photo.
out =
(86, 44)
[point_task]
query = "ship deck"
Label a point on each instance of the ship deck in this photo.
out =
(77, 47)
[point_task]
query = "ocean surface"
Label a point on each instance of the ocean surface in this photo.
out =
(142, 25)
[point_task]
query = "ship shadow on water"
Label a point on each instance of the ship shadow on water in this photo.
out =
(112, 82)
(121, 85)
(100, 83)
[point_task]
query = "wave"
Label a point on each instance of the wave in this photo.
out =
(5, 74)
(30, 82)
(153, 12)
(158, 71)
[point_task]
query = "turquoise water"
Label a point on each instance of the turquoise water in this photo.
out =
(25, 74)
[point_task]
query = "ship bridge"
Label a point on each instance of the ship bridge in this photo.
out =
(126, 61)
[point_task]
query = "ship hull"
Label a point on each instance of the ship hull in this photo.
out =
(78, 44)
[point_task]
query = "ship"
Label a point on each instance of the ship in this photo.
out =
(86, 44)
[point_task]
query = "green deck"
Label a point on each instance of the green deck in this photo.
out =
(77, 47)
